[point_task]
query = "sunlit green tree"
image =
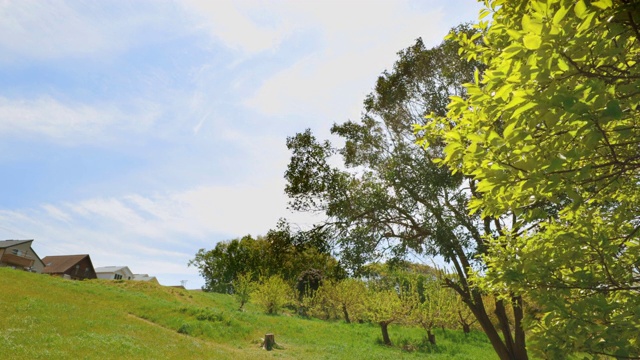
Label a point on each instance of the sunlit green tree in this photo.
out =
(550, 132)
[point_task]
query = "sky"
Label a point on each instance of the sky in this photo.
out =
(139, 132)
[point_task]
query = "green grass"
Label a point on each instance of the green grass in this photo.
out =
(42, 317)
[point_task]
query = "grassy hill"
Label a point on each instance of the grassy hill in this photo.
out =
(42, 317)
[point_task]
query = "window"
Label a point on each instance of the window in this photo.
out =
(16, 252)
(117, 276)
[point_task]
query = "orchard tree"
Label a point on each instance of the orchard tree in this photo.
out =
(385, 306)
(550, 132)
(347, 297)
(389, 198)
(436, 309)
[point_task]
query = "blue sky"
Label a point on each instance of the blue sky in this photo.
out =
(139, 132)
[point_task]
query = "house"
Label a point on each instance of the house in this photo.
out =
(145, 277)
(18, 254)
(114, 273)
(76, 267)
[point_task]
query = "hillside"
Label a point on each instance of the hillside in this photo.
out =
(50, 318)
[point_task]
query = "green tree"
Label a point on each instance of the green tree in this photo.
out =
(385, 306)
(347, 297)
(243, 286)
(272, 294)
(281, 252)
(228, 259)
(436, 308)
(390, 198)
(551, 134)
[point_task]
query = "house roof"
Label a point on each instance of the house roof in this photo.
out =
(143, 277)
(110, 269)
(61, 263)
(9, 243)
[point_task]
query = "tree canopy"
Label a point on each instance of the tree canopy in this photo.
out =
(387, 198)
(551, 133)
(281, 252)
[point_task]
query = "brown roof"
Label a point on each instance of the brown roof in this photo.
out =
(60, 263)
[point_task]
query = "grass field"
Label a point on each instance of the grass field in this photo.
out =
(42, 317)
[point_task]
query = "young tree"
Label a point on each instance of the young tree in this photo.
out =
(347, 297)
(551, 134)
(386, 306)
(243, 286)
(436, 308)
(272, 294)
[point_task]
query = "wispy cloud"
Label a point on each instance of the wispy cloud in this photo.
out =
(70, 124)
(52, 30)
(148, 233)
(355, 43)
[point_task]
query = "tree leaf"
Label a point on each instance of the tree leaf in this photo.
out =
(523, 108)
(532, 41)
(613, 110)
(580, 9)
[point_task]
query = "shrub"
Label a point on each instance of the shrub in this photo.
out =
(272, 294)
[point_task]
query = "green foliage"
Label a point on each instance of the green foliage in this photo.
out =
(272, 294)
(281, 252)
(243, 286)
(386, 305)
(437, 308)
(551, 134)
(390, 197)
(346, 297)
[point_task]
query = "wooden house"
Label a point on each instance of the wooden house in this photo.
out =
(75, 267)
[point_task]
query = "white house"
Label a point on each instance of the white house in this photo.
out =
(114, 273)
(145, 277)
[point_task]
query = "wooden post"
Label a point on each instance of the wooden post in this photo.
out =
(269, 341)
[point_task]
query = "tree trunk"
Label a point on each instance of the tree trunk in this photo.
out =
(466, 328)
(501, 313)
(518, 313)
(477, 307)
(269, 341)
(346, 314)
(385, 333)
(431, 336)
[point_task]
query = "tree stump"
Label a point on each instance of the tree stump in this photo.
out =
(269, 341)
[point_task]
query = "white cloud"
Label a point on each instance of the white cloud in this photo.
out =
(242, 25)
(69, 123)
(353, 42)
(48, 30)
(152, 234)
(357, 44)
(58, 29)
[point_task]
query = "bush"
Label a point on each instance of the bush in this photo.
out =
(272, 294)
